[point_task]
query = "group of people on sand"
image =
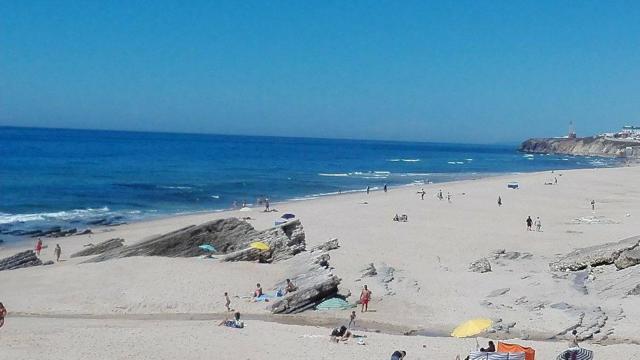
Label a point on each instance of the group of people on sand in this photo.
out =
(537, 223)
(56, 252)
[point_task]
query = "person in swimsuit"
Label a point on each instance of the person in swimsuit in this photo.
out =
(38, 247)
(490, 348)
(3, 313)
(290, 287)
(235, 323)
(365, 296)
(352, 319)
(57, 252)
(227, 303)
(258, 291)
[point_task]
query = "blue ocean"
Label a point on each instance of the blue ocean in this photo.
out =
(81, 178)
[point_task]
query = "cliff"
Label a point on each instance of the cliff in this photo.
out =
(589, 146)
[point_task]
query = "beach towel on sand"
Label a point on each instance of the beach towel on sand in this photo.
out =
(477, 355)
(529, 353)
(334, 304)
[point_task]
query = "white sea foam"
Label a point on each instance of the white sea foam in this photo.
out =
(59, 215)
(404, 160)
(330, 174)
(176, 187)
(215, 196)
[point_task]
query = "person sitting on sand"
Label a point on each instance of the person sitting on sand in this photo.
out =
(365, 296)
(340, 334)
(258, 292)
(396, 218)
(404, 218)
(235, 323)
(290, 287)
(3, 313)
(398, 355)
(574, 339)
(490, 348)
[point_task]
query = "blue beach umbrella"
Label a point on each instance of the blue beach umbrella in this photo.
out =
(287, 216)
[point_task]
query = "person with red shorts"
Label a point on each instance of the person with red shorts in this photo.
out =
(365, 296)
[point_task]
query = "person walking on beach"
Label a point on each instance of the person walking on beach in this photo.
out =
(266, 205)
(365, 296)
(422, 192)
(352, 319)
(499, 201)
(593, 205)
(440, 195)
(38, 247)
(385, 187)
(449, 197)
(57, 252)
(368, 189)
(555, 180)
(538, 224)
(3, 313)
(227, 302)
(529, 223)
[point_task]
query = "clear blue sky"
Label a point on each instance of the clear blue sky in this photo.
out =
(463, 71)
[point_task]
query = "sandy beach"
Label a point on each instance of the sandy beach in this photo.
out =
(163, 308)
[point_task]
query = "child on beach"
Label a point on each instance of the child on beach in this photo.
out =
(538, 224)
(365, 296)
(352, 319)
(38, 247)
(227, 303)
(57, 252)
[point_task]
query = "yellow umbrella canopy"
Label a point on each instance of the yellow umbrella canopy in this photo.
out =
(472, 327)
(259, 245)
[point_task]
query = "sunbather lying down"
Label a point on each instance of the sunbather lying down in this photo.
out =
(340, 334)
(235, 323)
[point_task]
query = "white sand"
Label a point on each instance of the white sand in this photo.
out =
(432, 287)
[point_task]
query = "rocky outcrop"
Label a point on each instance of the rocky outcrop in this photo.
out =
(100, 248)
(311, 274)
(20, 260)
(225, 235)
(590, 146)
(481, 266)
(600, 255)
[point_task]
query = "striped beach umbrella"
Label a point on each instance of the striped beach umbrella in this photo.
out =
(576, 354)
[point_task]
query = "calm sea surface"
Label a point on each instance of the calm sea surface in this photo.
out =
(78, 178)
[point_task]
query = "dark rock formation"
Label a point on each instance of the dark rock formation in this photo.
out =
(100, 248)
(226, 235)
(597, 255)
(20, 260)
(591, 146)
(628, 258)
(634, 291)
(311, 273)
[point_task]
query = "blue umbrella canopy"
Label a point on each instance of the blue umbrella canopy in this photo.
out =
(287, 216)
(207, 247)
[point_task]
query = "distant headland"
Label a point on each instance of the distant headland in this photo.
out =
(622, 144)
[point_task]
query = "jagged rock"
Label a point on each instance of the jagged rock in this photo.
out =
(50, 262)
(481, 265)
(628, 258)
(20, 260)
(596, 146)
(226, 235)
(595, 255)
(327, 246)
(84, 232)
(370, 270)
(100, 248)
(498, 292)
(634, 291)
(343, 292)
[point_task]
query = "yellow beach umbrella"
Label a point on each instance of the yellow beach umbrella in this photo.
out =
(259, 245)
(472, 327)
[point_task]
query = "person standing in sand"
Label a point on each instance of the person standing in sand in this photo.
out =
(440, 195)
(266, 205)
(499, 201)
(422, 192)
(385, 187)
(593, 205)
(538, 224)
(352, 319)
(449, 197)
(368, 189)
(529, 223)
(227, 302)
(57, 252)
(365, 297)
(38, 247)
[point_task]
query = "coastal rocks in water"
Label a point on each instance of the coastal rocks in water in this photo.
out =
(100, 248)
(481, 266)
(594, 146)
(20, 260)
(225, 235)
(595, 255)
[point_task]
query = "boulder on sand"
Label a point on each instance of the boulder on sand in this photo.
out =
(596, 255)
(20, 260)
(100, 248)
